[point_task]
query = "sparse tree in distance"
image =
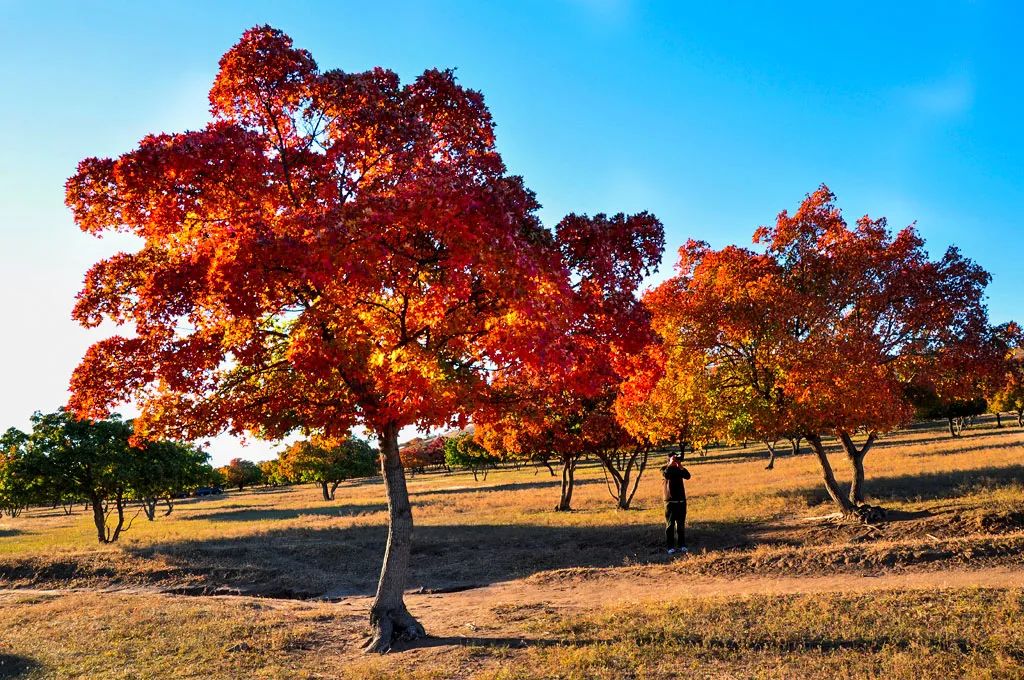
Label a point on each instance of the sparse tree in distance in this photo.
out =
(241, 473)
(328, 463)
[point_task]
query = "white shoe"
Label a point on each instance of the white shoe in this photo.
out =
(682, 550)
(671, 551)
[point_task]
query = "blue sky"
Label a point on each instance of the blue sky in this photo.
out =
(714, 116)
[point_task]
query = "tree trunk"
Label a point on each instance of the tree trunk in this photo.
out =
(568, 479)
(99, 517)
(389, 619)
(999, 420)
(1020, 417)
(856, 458)
(828, 477)
(170, 505)
(149, 506)
(771, 456)
(119, 506)
(323, 491)
(952, 428)
(682, 448)
(794, 443)
(334, 488)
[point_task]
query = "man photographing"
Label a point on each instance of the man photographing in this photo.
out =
(675, 504)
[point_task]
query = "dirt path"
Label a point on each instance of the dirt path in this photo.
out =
(454, 614)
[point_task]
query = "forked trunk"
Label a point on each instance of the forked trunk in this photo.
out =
(771, 456)
(828, 476)
(856, 458)
(794, 443)
(334, 488)
(619, 479)
(389, 619)
(568, 481)
(149, 506)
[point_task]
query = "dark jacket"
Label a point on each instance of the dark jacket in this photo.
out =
(674, 476)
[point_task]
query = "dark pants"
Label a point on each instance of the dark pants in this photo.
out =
(675, 523)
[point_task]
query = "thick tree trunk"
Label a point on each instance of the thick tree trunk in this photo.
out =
(568, 481)
(999, 420)
(149, 506)
(794, 443)
(389, 619)
(828, 476)
(953, 432)
(856, 458)
(682, 448)
(323, 490)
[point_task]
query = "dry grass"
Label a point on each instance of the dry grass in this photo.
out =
(955, 503)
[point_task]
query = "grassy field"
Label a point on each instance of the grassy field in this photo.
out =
(274, 583)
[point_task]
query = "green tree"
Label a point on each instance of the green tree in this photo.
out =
(88, 459)
(165, 470)
(328, 462)
(462, 451)
(19, 482)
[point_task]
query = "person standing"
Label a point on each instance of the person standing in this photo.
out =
(675, 504)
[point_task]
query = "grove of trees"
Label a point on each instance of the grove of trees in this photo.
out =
(341, 249)
(65, 460)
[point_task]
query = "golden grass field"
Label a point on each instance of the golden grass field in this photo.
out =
(274, 583)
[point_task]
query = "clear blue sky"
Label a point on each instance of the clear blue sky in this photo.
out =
(714, 116)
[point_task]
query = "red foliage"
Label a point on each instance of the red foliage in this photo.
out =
(334, 248)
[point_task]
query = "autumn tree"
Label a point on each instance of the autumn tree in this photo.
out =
(420, 453)
(334, 249)
(824, 330)
(241, 473)
(569, 412)
(272, 473)
(327, 462)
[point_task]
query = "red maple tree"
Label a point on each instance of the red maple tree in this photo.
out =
(566, 409)
(333, 249)
(823, 332)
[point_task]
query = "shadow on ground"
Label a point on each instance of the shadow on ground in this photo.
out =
(340, 562)
(263, 514)
(14, 666)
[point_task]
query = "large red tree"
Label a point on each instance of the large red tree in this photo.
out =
(333, 249)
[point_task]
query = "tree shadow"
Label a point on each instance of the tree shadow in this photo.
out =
(17, 666)
(549, 483)
(249, 514)
(942, 485)
(4, 533)
(337, 562)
